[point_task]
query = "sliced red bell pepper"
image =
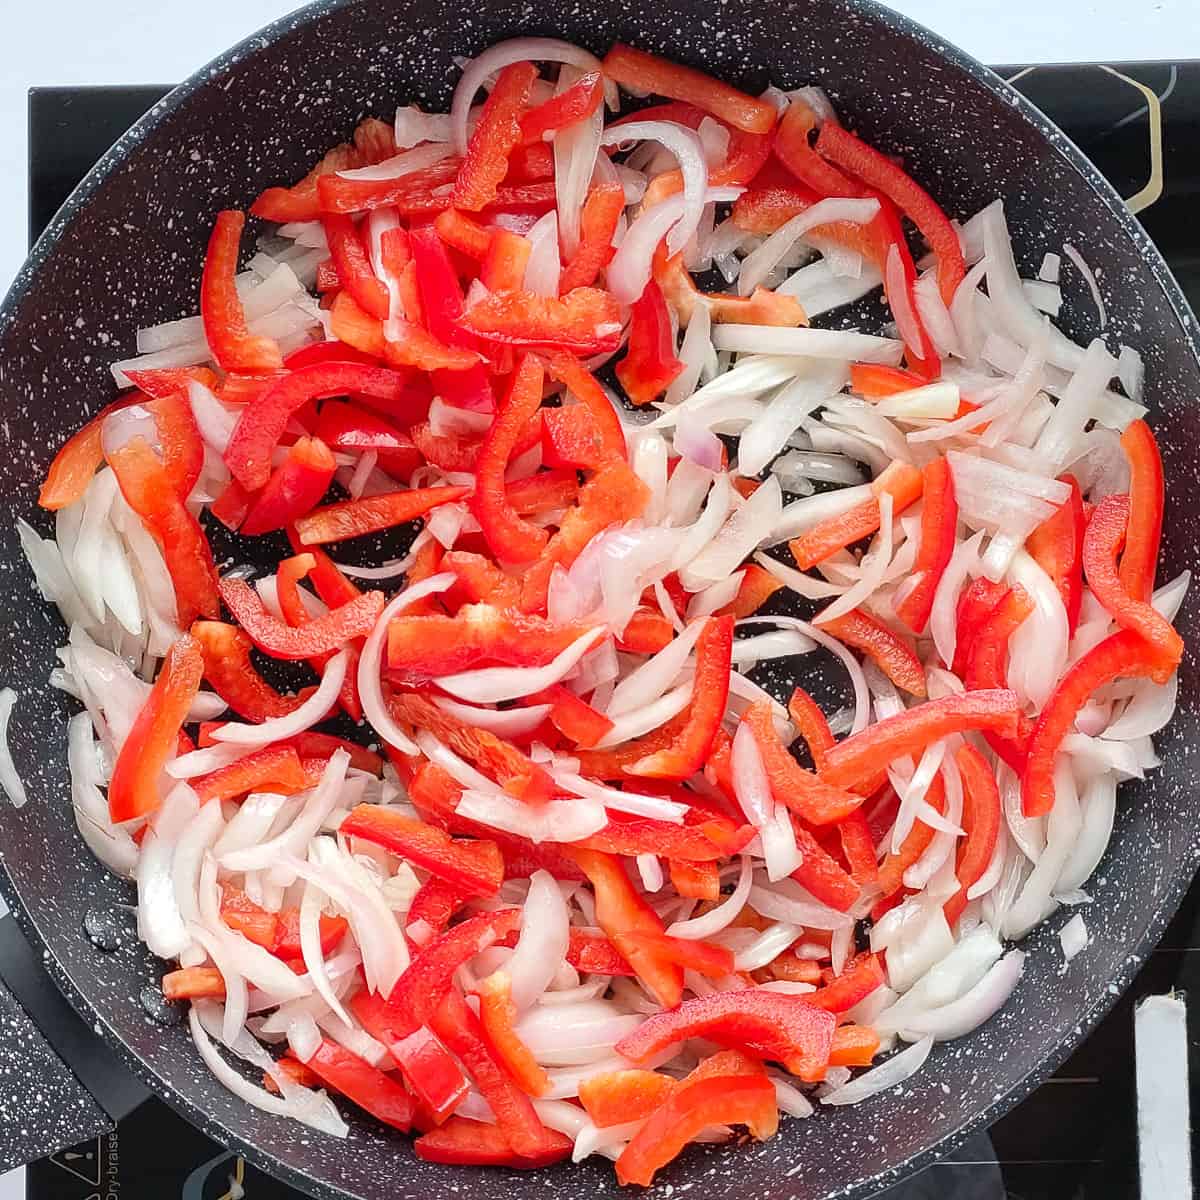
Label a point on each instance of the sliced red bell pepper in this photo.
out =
(299, 202)
(345, 426)
(615, 1097)
(821, 873)
(295, 486)
(503, 266)
(77, 460)
(571, 438)
(498, 759)
(886, 649)
(860, 758)
(705, 957)
(689, 748)
(986, 666)
(352, 260)
(354, 518)
(598, 225)
(858, 849)
(323, 352)
(594, 954)
(853, 1046)
(463, 233)
(648, 368)
(939, 523)
(584, 386)
(800, 790)
(480, 580)
(691, 842)
(1123, 654)
(762, 307)
(368, 1087)
(273, 768)
(462, 1142)
(496, 134)
(981, 822)
(547, 491)
(337, 194)
(1056, 545)
(758, 585)
(769, 1025)
(647, 633)
(851, 987)
(895, 863)
(262, 423)
(1140, 560)
(313, 744)
(152, 493)
(179, 441)
(695, 880)
(475, 868)
(572, 716)
(975, 605)
(231, 674)
(498, 1015)
(763, 210)
(813, 727)
(1102, 544)
(194, 983)
(428, 1068)
(644, 73)
(865, 163)
(357, 329)
(152, 740)
(510, 538)
(585, 321)
(569, 107)
(233, 346)
(621, 911)
(902, 481)
(435, 903)
(328, 632)
(793, 147)
(874, 381)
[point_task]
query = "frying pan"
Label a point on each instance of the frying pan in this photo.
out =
(125, 251)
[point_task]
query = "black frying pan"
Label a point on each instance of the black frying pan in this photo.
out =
(262, 114)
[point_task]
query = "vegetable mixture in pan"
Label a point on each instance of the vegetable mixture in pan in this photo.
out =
(524, 861)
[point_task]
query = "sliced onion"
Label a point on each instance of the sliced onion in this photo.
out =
(808, 342)
(943, 617)
(1099, 805)
(786, 900)
(1168, 598)
(399, 165)
(1073, 937)
(1149, 709)
(749, 526)
(542, 943)
(656, 807)
(694, 349)
(511, 722)
(214, 420)
(563, 1035)
(650, 716)
(723, 914)
(650, 681)
(895, 286)
(706, 526)
(983, 1001)
(1089, 277)
(1078, 403)
(488, 685)
(303, 717)
(887, 1075)
(543, 268)
(1038, 647)
(253, 820)
(412, 127)
(916, 938)
(10, 779)
(696, 443)
(160, 923)
(553, 821)
(933, 401)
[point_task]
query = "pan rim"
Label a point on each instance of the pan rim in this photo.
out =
(1072, 1032)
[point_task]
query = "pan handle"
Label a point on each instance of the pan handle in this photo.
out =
(59, 1083)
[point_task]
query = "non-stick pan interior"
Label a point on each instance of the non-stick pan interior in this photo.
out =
(126, 252)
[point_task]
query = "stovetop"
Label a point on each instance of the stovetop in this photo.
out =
(1075, 1138)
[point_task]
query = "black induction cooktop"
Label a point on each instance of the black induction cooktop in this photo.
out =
(1075, 1138)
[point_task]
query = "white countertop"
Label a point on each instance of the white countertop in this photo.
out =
(129, 41)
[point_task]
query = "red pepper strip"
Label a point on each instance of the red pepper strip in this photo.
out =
(594, 954)
(763, 210)
(78, 460)
(299, 202)
(511, 199)
(793, 147)
(464, 234)
(496, 134)
(262, 423)
(802, 791)
(336, 194)
(232, 344)
(435, 903)
(375, 140)
(510, 538)
(543, 492)
(574, 718)
(345, 426)
(763, 307)
(886, 649)
(859, 758)
(705, 957)
(647, 633)
(621, 911)
(1056, 545)
(570, 106)
(1123, 654)
(769, 1025)
(1101, 544)
(614, 1097)
(354, 518)
(194, 983)
(939, 523)
(475, 868)
(821, 873)
(332, 586)
(571, 438)
(858, 848)
(853, 1046)
(371, 1089)
(648, 368)
(644, 73)
(423, 648)
(981, 821)
(851, 987)
(1140, 560)
(498, 1015)
(149, 490)
(584, 386)
(180, 445)
(695, 880)
(814, 728)
(895, 863)
(585, 321)
(514, 771)
(312, 744)
(628, 836)
(133, 791)
(323, 352)
(975, 605)
(328, 632)
(231, 674)
(278, 766)
(503, 266)
(902, 481)
(757, 587)
(295, 486)
(353, 262)
(277, 932)
(480, 580)
(448, 451)
(463, 1035)
(429, 1069)
(462, 1142)
(686, 755)
(880, 172)
(598, 224)
(613, 495)
(874, 381)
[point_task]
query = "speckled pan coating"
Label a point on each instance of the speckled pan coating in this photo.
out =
(125, 251)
